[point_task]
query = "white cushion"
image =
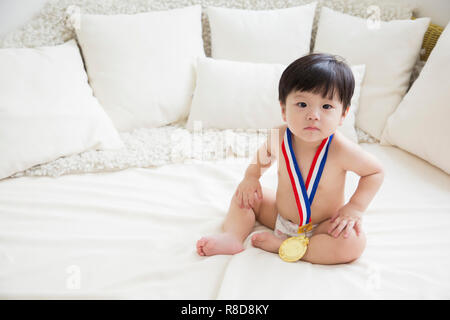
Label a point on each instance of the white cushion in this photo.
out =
(420, 123)
(232, 94)
(266, 36)
(388, 51)
(47, 109)
(348, 126)
(244, 95)
(142, 66)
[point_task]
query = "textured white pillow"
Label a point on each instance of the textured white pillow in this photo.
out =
(244, 95)
(142, 66)
(420, 124)
(265, 36)
(47, 109)
(389, 52)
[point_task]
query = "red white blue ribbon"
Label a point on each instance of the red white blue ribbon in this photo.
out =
(304, 191)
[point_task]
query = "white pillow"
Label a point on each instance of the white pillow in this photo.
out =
(142, 66)
(47, 109)
(389, 52)
(266, 36)
(348, 126)
(420, 123)
(236, 95)
(244, 95)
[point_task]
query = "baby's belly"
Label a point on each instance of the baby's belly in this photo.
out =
(325, 204)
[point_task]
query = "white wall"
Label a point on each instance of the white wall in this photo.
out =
(14, 13)
(437, 10)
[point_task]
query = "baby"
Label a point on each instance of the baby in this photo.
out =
(314, 93)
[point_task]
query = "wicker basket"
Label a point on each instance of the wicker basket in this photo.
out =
(429, 40)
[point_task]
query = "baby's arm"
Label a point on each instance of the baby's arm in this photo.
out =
(353, 158)
(369, 169)
(261, 161)
(264, 157)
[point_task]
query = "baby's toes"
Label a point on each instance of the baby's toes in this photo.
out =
(257, 238)
(200, 244)
(203, 241)
(208, 246)
(200, 251)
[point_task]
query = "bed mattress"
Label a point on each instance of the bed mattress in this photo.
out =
(131, 234)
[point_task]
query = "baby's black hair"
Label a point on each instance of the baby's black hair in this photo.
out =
(318, 73)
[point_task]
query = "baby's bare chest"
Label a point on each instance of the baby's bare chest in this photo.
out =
(329, 195)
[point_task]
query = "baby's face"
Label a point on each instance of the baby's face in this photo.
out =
(310, 116)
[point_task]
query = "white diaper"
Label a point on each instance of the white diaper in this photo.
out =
(286, 228)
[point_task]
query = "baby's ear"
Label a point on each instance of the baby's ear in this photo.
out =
(283, 111)
(343, 116)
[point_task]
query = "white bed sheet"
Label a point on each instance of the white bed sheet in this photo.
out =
(131, 234)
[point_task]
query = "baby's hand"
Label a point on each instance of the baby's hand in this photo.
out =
(345, 219)
(248, 193)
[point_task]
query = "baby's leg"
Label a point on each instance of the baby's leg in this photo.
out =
(322, 248)
(239, 222)
(326, 249)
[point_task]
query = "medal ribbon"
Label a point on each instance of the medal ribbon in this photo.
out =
(304, 192)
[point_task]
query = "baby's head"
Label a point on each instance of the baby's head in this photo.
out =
(315, 93)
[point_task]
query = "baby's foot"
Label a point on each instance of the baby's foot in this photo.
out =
(223, 243)
(267, 241)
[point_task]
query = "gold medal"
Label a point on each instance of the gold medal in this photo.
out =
(293, 249)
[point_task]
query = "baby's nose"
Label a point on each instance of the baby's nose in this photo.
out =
(313, 115)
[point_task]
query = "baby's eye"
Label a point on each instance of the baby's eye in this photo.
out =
(301, 104)
(327, 106)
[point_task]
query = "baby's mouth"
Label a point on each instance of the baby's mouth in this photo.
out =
(312, 129)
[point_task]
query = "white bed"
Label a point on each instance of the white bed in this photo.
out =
(131, 234)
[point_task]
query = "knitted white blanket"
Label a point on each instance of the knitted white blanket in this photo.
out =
(155, 147)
